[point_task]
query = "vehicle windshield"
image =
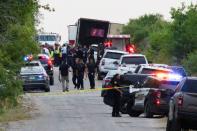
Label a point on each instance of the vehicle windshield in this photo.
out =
(113, 55)
(43, 61)
(47, 38)
(134, 60)
(153, 71)
(190, 86)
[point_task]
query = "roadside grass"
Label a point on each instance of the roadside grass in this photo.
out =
(20, 112)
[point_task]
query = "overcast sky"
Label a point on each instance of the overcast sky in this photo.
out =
(119, 11)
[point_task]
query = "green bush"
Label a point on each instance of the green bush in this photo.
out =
(10, 89)
(17, 24)
(191, 63)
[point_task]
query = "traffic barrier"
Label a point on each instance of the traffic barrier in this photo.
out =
(73, 91)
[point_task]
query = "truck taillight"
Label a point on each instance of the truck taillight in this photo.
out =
(157, 94)
(49, 62)
(180, 100)
(130, 48)
(157, 102)
(107, 80)
(108, 44)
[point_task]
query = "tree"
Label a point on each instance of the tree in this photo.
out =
(191, 63)
(17, 24)
(184, 31)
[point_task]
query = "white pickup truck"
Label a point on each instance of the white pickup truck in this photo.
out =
(131, 61)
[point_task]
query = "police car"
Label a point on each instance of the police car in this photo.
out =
(34, 76)
(153, 95)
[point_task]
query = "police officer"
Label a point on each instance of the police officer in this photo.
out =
(91, 54)
(56, 55)
(117, 93)
(91, 67)
(80, 74)
(85, 53)
(79, 53)
(69, 53)
(74, 76)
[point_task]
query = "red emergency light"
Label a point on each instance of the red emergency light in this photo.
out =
(108, 44)
(130, 48)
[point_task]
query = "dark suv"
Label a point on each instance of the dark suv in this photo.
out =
(183, 106)
(152, 97)
(48, 66)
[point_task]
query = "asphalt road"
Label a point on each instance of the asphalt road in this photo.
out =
(79, 112)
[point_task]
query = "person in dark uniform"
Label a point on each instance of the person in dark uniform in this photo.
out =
(85, 54)
(91, 54)
(80, 74)
(117, 93)
(69, 55)
(91, 67)
(74, 69)
(57, 53)
(79, 53)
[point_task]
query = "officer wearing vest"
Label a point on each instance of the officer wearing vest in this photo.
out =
(57, 54)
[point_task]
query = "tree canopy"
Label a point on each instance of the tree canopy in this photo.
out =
(172, 42)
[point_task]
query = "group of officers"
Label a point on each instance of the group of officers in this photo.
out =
(81, 61)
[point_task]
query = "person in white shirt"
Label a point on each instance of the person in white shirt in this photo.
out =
(64, 52)
(44, 50)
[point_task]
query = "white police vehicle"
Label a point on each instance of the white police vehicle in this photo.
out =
(109, 62)
(131, 61)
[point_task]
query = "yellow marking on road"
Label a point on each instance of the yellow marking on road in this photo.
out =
(72, 92)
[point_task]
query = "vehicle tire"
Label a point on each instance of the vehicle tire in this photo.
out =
(169, 125)
(176, 126)
(123, 108)
(47, 89)
(147, 110)
(52, 80)
(131, 112)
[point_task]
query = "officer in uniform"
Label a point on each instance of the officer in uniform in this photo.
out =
(57, 55)
(74, 69)
(117, 93)
(80, 74)
(91, 54)
(85, 54)
(70, 55)
(91, 67)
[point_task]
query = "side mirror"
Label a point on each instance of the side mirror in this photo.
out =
(150, 62)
